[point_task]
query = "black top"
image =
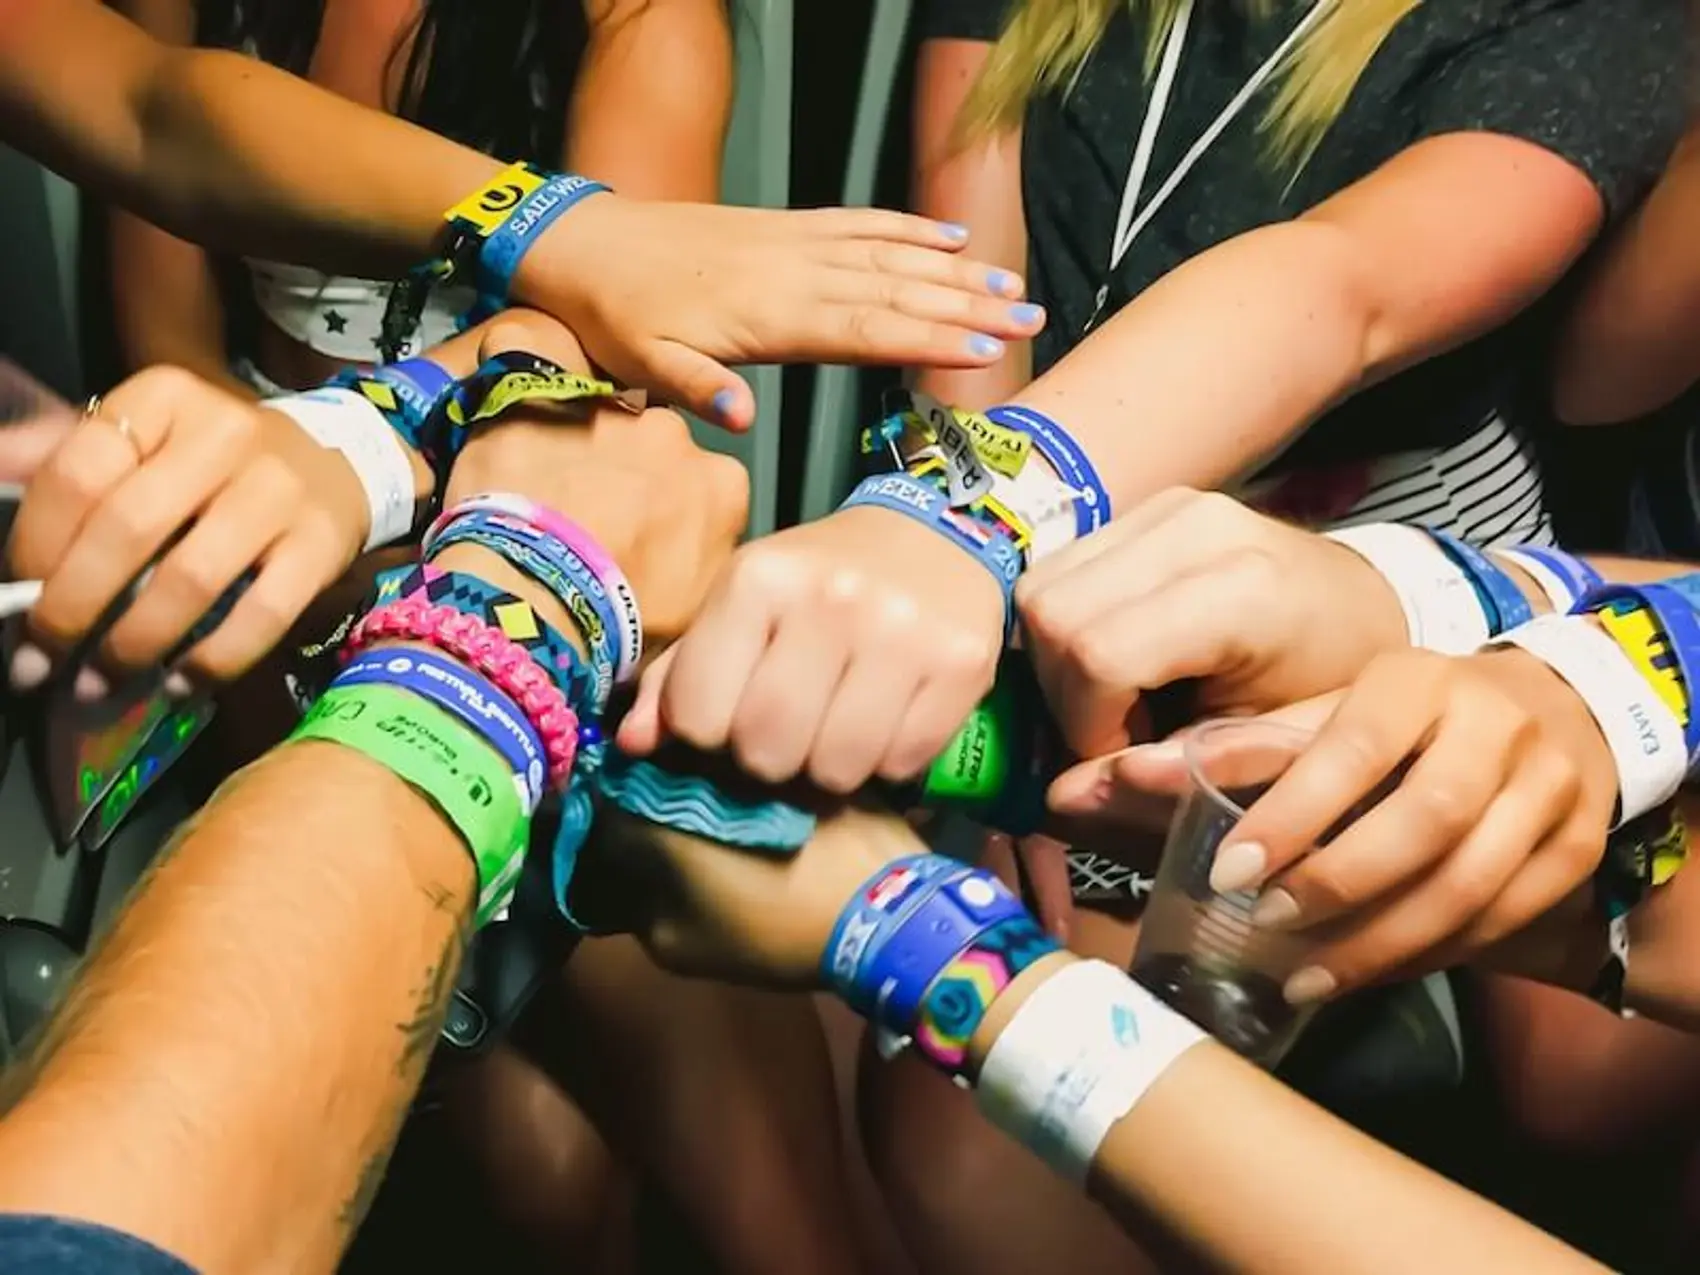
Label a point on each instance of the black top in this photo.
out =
(1600, 82)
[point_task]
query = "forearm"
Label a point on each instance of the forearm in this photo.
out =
(1222, 1186)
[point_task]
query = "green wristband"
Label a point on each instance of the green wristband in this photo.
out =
(445, 762)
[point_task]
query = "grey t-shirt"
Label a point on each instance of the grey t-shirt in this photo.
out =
(1602, 83)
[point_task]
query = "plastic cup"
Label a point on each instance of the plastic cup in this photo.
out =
(1198, 949)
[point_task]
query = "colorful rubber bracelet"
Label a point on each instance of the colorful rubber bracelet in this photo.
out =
(597, 562)
(915, 499)
(512, 615)
(468, 697)
(692, 804)
(1665, 651)
(881, 903)
(445, 762)
(406, 393)
(1502, 601)
(551, 564)
(506, 663)
(1563, 577)
(1092, 509)
(956, 1003)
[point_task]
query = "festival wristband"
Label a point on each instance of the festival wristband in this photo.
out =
(469, 698)
(1443, 611)
(1643, 735)
(694, 805)
(1078, 1055)
(406, 393)
(913, 498)
(1659, 630)
(1562, 577)
(347, 422)
(956, 1003)
(1092, 498)
(551, 564)
(595, 560)
(1501, 600)
(447, 764)
(506, 226)
(880, 905)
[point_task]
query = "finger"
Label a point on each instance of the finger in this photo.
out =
(938, 303)
(640, 731)
(1416, 922)
(90, 462)
(296, 570)
(905, 262)
(700, 384)
(933, 715)
(713, 662)
(860, 723)
(882, 224)
(1422, 822)
(128, 529)
(1045, 861)
(1565, 860)
(243, 521)
(786, 697)
(874, 332)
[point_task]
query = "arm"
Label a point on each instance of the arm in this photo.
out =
(653, 97)
(977, 185)
(1629, 346)
(1443, 243)
(165, 299)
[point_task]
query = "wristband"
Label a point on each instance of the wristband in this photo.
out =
(580, 544)
(1443, 611)
(492, 653)
(907, 495)
(1092, 499)
(880, 905)
(552, 565)
(444, 762)
(502, 246)
(502, 383)
(470, 699)
(347, 422)
(1643, 735)
(956, 1003)
(692, 804)
(1659, 631)
(1079, 1054)
(406, 393)
(1501, 600)
(1562, 577)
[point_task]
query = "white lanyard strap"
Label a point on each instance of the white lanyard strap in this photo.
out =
(1128, 226)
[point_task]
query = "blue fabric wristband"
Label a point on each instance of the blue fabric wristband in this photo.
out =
(406, 393)
(690, 803)
(1092, 508)
(1577, 575)
(467, 696)
(548, 561)
(1502, 601)
(504, 248)
(913, 498)
(1672, 603)
(880, 905)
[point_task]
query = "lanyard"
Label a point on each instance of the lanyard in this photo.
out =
(1131, 219)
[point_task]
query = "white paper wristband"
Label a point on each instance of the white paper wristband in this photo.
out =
(1644, 736)
(1550, 583)
(345, 422)
(1077, 1056)
(1442, 611)
(1045, 505)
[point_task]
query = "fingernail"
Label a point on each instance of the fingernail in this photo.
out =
(1312, 983)
(953, 231)
(1002, 281)
(89, 686)
(1238, 867)
(30, 667)
(722, 403)
(984, 347)
(1027, 314)
(1166, 750)
(177, 686)
(1275, 909)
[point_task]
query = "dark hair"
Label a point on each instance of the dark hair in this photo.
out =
(492, 74)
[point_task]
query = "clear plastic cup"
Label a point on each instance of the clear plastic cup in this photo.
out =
(1198, 949)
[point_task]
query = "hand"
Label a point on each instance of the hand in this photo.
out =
(705, 910)
(670, 512)
(842, 649)
(167, 452)
(1195, 585)
(1485, 790)
(665, 295)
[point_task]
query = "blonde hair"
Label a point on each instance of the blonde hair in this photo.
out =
(1046, 42)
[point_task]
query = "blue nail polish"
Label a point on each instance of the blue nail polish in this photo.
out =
(1027, 314)
(722, 403)
(1002, 281)
(953, 232)
(985, 347)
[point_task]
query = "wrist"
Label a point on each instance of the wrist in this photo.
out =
(1005, 1006)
